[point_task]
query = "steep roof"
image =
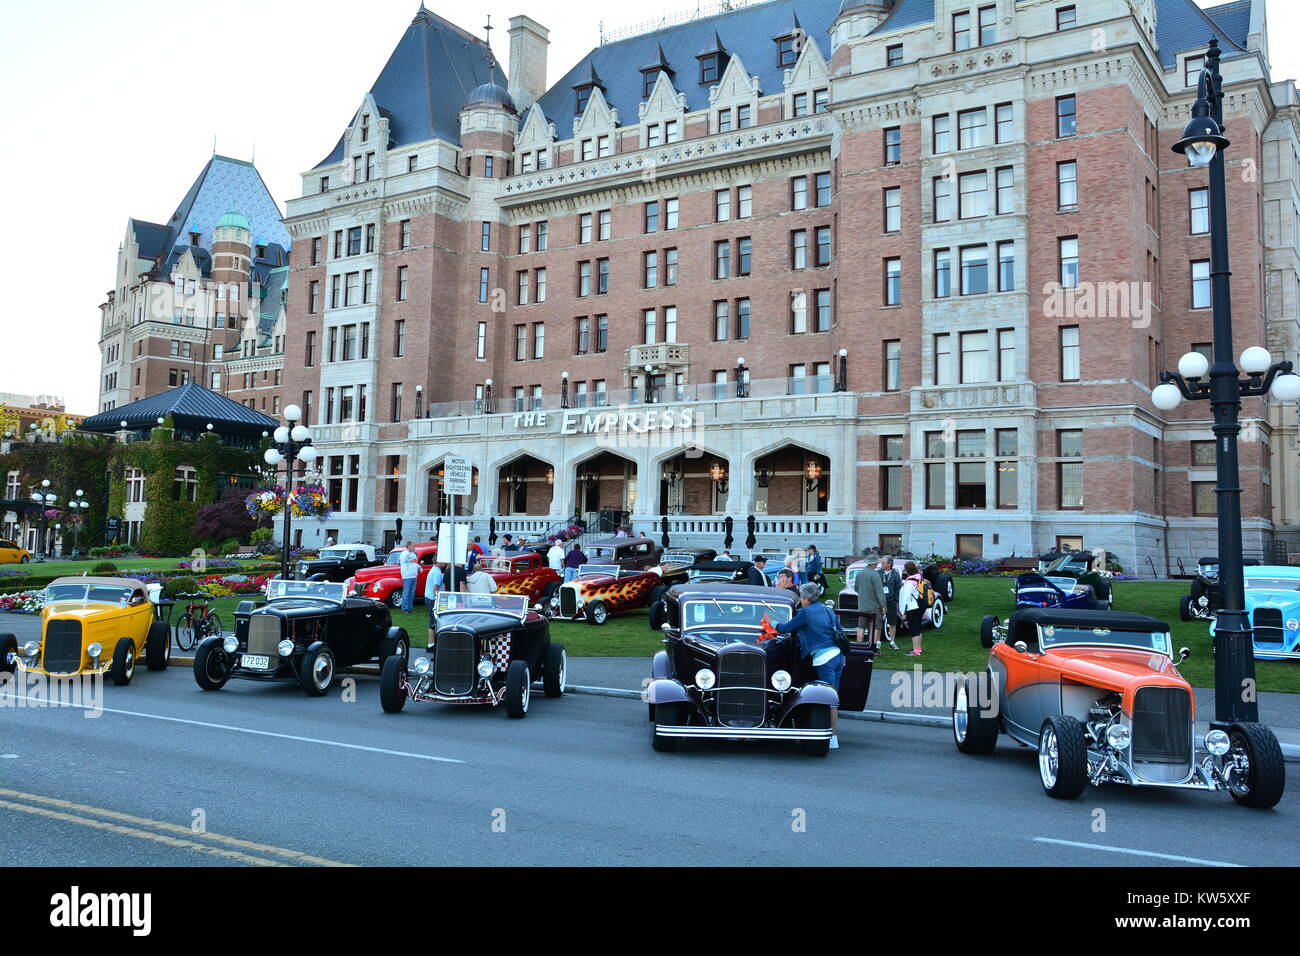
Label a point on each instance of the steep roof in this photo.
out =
(748, 33)
(908, 13)
(1182, 26)
(191, 406)
(1232, 18)
(426, 81)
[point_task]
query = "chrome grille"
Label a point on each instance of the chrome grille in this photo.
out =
(62, 650)
(1268, 625)
(568, 601)
(741, 694)
(264, 636)
(453, 663)
(848, 602)
(1162, 733)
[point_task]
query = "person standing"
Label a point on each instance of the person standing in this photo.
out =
(871, 603)
(785, 580)
(555, 556)
(893, 583)
(477, 544)
(816, 627)
(432, 588)
(909, 605)
(814, 567)
(480, 582)
(755, 574)
(410, 567)
(572, 561)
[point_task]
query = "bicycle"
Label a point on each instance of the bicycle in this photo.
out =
(198, 623)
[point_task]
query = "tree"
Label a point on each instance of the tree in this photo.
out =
(223, 520)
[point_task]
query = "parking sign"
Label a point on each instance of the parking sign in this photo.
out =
(458, 475)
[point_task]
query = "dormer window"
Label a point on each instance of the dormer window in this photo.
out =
(365, 128)
(582, 96)
(261, 252)
(194, 238)
(710, 68)
(648, 78)
(786, 51)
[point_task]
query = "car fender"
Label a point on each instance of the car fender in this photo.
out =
(815, 693)
(211, 639)
(659, 669)
(665, 690)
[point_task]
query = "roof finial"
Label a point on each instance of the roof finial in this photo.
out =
(487, 40)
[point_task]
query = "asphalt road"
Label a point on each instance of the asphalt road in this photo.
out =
(272, 777)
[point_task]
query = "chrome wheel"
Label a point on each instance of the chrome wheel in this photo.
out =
(129, 669)
(1048, 757)
(1238, 768)
(323, 670)
(960, 716)
(564, 671)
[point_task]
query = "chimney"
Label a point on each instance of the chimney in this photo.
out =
(528, 43)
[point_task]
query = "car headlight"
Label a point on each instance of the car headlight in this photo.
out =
(285, 647)
(781, 681)
(1292, 624)
(486, 668)
(1119, 736)
(230, 644)
(31, 648)
(704, 679)
(1217, 742)
(375, 588)
(421, 665)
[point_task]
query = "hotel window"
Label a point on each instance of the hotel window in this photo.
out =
(822, 303)
(1204, 500)
(354, 241)
(972, 198)
(721, 205)
(351, 288)
(893, 281)
(584, 228)
(598, 386)
(603, 146)
(521, 342)
(539, 340)
(974, 357)
(539, 283)
(602, 333)
(1201, 284)
(940, 133)
(721, 320)
(942, 273)
(800, 104)
(1067, 185)
(742, 318)
(185, 484)
(1071, 364)
(367, 285)
(1006, 266)
(798, 311)
(744, 202)
(338, 251)
(1006, 355)
(654, 135)
(974, 270)
(412, 163)
(525, 239)
(588, 147)
(349, 342)
(936, 492)
(370, 238)
(1192, 68)
(331, 354)
(799, 193)
(370, 166)
(1069, 255)
(894, 55)
(972, 490)
(988, 25)
(399, 338)
(315, 254)
(313, 297)
(1005, 198)
(944, 207)
(1199, 205)
(670, 267)
(720, 384)
(799, 249)
(580, 395)
(943, 367)
(397, 402)
(1066, 120)
(823, 238)
(961, 33)
(786, 51)
(365, 344)
(485, 237)
(971, 125)
(1006, 441)
(483, 284)
(582, 335)
(797, 380)
(324, 184)
(525, 162)
(893, 146)
(893, 205)
(521, 287)
(404, 234)
(1203, 453)
(672, 131)
(745, 255)
(602, 276)
(670, 213)
(651, 217)
(721, 260)
(584, 279)
(649, 326)
(604, 222)
(543, 235)
(670, 324)
(517, 393)
(893, 370)
(891, 476)
(1004, 117)
(1066, 17)
(650, 270)
(1069, 474)
(724, 121)
(710, 68)
(823, 195)
(648, 78)
(821, 101)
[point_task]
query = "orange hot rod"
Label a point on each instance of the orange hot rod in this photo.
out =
(1099, 695)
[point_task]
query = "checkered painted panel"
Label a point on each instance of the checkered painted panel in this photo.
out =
(499, 651)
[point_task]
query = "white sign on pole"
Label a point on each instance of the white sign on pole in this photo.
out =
(453, 542)
(458, 476)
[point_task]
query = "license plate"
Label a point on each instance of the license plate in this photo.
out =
(256, 662)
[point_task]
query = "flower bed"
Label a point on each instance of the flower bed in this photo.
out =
(28, 602)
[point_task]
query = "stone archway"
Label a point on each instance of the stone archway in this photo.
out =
(693, 484)
(606, 485)
(525, 486)
(437, 504)
(791, 480)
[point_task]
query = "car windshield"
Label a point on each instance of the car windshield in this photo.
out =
(1272, 584)
(603, 551)
(676, 557)
(278, 588)
(1065, 584)
(496, 564)
(337, 554)
(1071, 562)
(95, 593)
(1057, 635)
(598, 570)
(394, 557)
(721, 620)
(515, 605)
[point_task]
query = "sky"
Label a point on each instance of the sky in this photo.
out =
(114, 108)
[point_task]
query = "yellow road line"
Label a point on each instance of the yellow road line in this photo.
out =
(293, 856)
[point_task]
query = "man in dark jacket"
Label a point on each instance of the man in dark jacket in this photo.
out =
(754, 575)
(893, 582)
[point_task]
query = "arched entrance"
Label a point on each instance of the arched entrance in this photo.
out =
(606, 485)
(694, 484)
(437, 504)
(791, 480)
(525, 486)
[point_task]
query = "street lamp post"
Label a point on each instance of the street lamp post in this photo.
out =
(46, 500)
(1204, 144)
(289, 443)
(77, 507)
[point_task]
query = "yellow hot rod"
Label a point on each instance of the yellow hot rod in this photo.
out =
(93, 626)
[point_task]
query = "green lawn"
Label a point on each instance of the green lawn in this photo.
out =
(954, 648)
(123, 564)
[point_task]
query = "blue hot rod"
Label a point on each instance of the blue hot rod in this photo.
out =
(1273, 603)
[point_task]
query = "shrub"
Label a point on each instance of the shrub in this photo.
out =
(230, 546)
(181, 586)
(226, 521)
(104, 567)
(262, 536)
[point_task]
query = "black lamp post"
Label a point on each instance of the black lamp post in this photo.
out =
(649, 384)
(842, 381)
(564, 389)
(289, 444)
(1204, 144)
(77, 508)
(487, 397)
(742, 378)
(46, 499)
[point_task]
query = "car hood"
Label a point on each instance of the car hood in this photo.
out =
(377, 572)
(1284, 600)
(73, 610)
(1115, 668)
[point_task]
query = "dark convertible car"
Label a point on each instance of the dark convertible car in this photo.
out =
(336, 563)
(487, 649)
(1202, 600)
(725, 674)
(306, 632)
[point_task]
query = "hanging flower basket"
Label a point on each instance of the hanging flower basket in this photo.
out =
(266, 503)
(309, 501)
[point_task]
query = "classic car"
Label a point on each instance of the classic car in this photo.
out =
(630, 554)
(1098, 693)
(307, 631)
(524, 573)
(599, 590)
(725, 674)
(675, 566)
(487, 649)
(1035, 590)
(337, 562)
(1273, 603)
(13, 553)
(940, 580)
(846, 602)
(383, 582)
(718, 572)
(1082, 567)
(1202, 600)
(93, 626)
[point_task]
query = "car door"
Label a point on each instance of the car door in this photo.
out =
(1017, 676)
(8, 553)
(855, 682)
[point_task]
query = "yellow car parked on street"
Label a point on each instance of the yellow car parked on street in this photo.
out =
(93, 626)
(11, 553)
